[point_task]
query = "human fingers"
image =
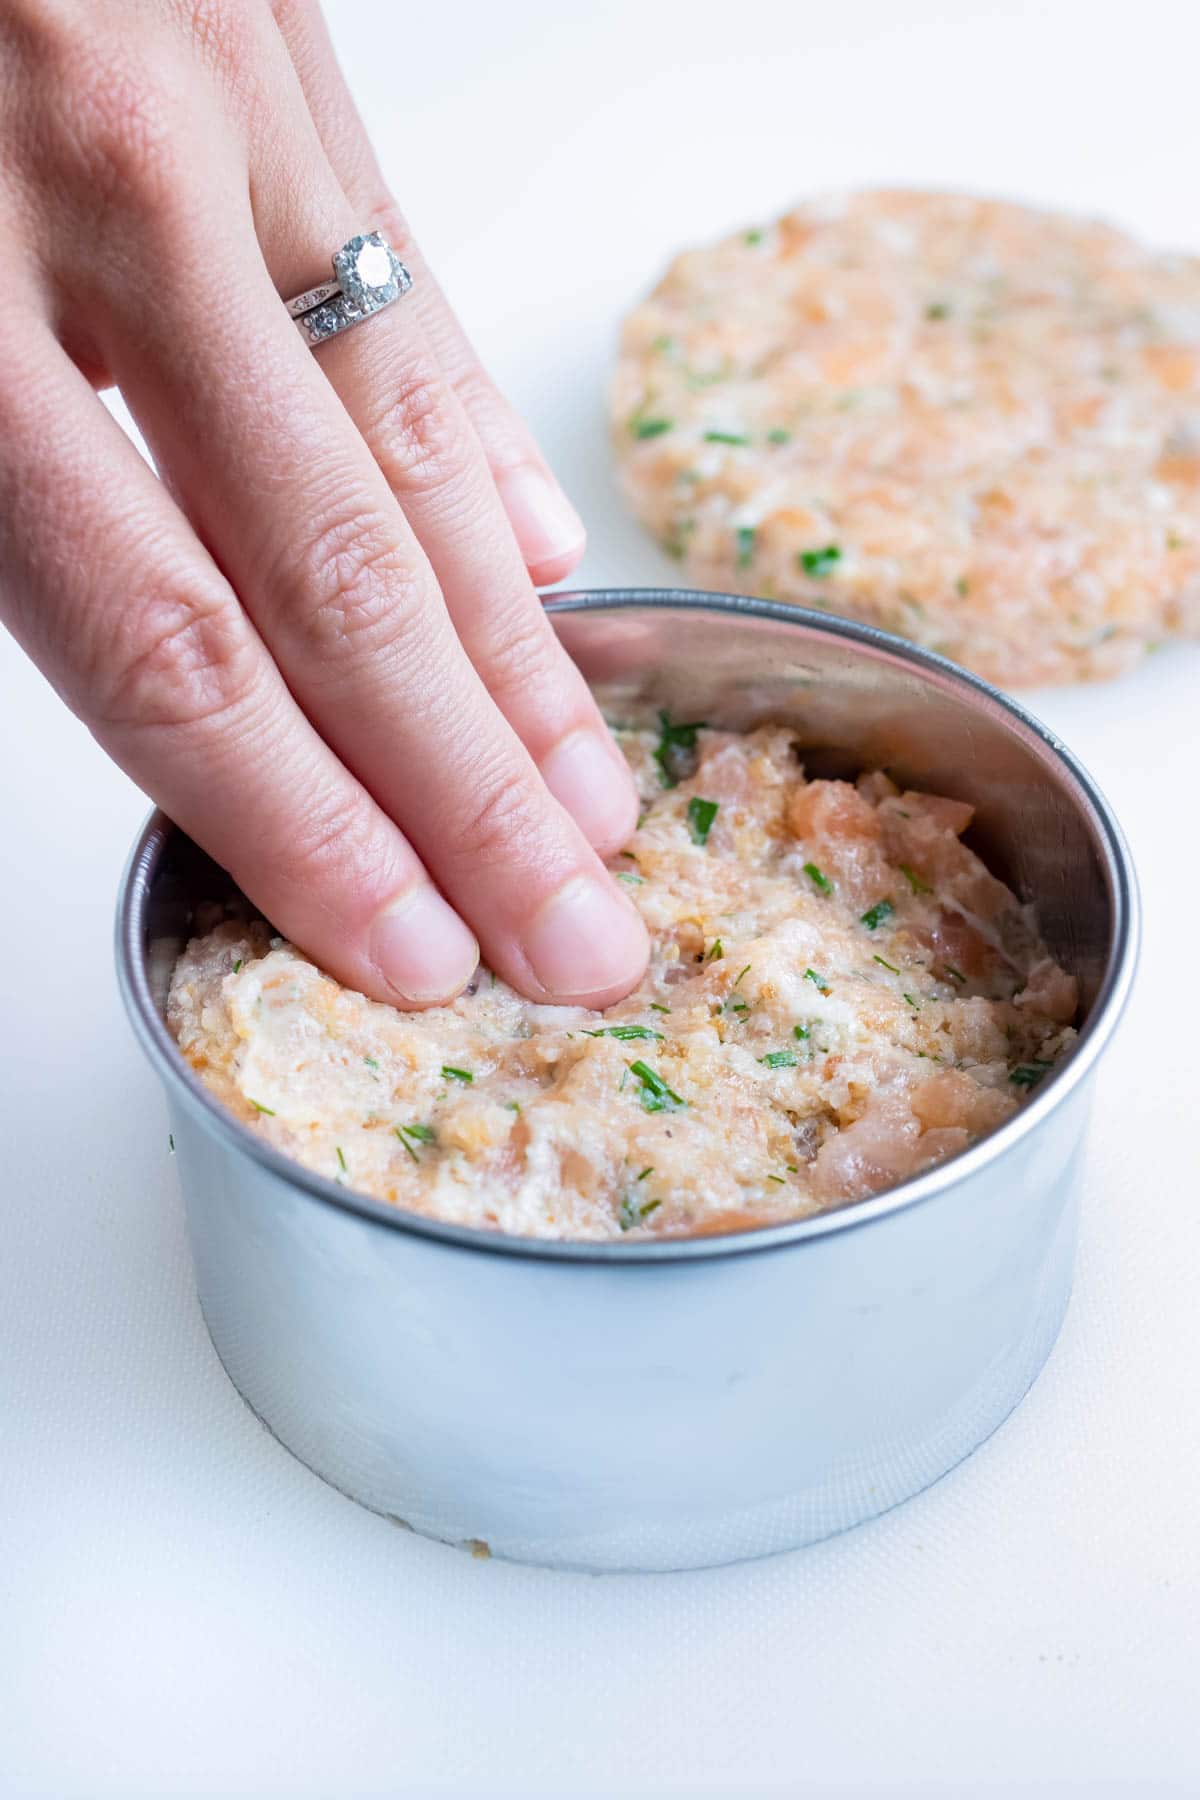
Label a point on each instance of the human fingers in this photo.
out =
(548, 531)
(418, 432)
(267, 462)
(107, 587)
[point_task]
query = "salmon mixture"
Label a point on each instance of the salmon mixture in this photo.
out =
(839, 996)
(964, 421)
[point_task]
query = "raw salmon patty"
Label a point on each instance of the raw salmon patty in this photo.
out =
(839, 996)
(962, 420)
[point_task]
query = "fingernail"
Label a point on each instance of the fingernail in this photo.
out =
(585, 776)
(422, 948)
(546, 525)
(587, 942)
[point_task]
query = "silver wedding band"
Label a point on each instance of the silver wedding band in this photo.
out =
(367, 276)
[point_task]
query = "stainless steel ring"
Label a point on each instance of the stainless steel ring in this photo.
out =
(790, 1380)
(367, 276)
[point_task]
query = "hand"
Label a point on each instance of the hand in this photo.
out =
(316, 642)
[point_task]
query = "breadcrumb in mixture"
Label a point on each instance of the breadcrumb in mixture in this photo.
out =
(966, 421)
(839, 996)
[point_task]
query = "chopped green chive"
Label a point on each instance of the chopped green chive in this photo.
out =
(753, 237)
(629, 875)
(779, 436)
(716, 952)
(237, 967)
(398, 1132)
(1028, 1074)
(171, 1142)
(675, 543)
(514, 1106)
(673, 739)
(631, 1214)
(819, 563)
(875, 915)
(625, 1032)
(259, 1107)
(650, 428)
(725, 437)
(962, 587)
(370, 1062)
(655, 1007)
(801, 1032)
(914, 880)
(955, 974)
(740, 973)
(821, 882)
(424, 1134)
(655, 1096)
(341, 1156)
(700, 816)
(818, 981)
(915, 1004)
(937, 310)
(778, 1178)
(779, 1059)
(890, 967)
(450, 1073)
(646, 1171)
(745, 535)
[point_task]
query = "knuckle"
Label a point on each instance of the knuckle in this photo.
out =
(423, 445)
(332, 841)
(356, 586)
(223, 31)
(123, 130)
(187, 662)
(232, 39)
(523, 657)
(505, 821)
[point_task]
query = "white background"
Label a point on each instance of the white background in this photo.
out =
(183, 1608)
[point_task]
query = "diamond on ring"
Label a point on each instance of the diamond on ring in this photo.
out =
(369, 272)
(368, 275)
